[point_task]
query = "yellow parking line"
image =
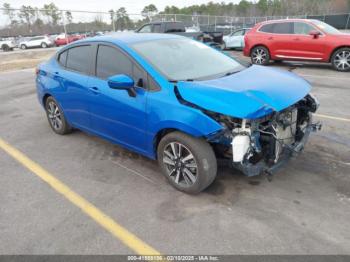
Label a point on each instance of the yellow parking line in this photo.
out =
(126, 237)
(333, 117)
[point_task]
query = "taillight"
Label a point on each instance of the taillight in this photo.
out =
(37, 71)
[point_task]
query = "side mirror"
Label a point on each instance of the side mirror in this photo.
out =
(122, 82)
(315, 33)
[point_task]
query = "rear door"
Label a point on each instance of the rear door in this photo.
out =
(74, 95)
(114, 113)
(306, 46)
(37, 41)
(32, 42)
(280, 39)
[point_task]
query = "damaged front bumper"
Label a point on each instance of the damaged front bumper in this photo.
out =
(288, 152)
(263, 145)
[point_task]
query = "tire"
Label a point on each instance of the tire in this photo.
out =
(43, 45)
(5, 48)
(187, 174)
(56, 117)
(260, 55)
(341, 60)
(23, 47)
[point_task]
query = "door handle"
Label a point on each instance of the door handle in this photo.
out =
(94, 90)
(270, 38)
(296, 39)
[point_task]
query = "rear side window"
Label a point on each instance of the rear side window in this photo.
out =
(238, 33)
(267, 28)
(283, 28)
(174, 27)
(278, 28)
(78, 59)
(302, 28)
(156, 28)
(62, 58)
(111, 61)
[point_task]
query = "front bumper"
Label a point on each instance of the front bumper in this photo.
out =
(293, 150)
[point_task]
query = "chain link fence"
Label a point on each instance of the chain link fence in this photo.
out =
(32, 21)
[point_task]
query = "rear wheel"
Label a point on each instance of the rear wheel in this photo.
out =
(56, 117)
(341, 60)
(6, 48)
(260, 55)
(23, 47)
(188, 163)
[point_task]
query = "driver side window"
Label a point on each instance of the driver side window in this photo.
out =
(146, 29)
(110, 61)
(238, 33)
(302, 28)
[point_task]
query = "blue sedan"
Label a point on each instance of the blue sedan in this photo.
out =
(179, 101)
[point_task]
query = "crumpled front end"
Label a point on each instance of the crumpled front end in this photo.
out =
(262, 145)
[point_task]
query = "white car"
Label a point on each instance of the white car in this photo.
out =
(7, 45)
(37, 41)
(235, 39)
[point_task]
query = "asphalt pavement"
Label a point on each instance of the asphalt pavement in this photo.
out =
(305, 209)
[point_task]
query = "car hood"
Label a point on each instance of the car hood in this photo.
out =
(252, 93)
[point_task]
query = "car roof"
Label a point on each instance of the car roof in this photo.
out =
(131, 38)
(287, 20)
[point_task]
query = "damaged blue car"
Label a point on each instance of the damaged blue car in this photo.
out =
(179, 101)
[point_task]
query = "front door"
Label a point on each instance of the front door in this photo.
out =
(115, 114)
(305, 45)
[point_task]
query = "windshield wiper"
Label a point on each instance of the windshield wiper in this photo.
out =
(232, 72)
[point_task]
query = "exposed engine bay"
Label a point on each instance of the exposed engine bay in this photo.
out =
(261, 145)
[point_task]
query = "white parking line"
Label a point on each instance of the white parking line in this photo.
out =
(321, 76)
(333, 117)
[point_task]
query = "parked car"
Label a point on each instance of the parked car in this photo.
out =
(7, 45)
(235, 40)
(300, 40)
(179, 101)
(64, 39)
(213, 39)
(37, 41)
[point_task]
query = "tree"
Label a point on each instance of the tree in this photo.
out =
(52, 12)
(149, 10)
(69, 17)
(27, 14)
(263, 6)
(243, 7)
(9, 12)
(123, 20)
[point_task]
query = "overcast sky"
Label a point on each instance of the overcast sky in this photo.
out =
(132, 6)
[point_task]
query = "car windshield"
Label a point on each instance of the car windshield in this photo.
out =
(186, 59)
(326, 27)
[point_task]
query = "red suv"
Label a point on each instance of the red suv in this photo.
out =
(298, 40)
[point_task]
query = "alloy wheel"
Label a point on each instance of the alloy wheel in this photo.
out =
(342, 60)
(54, 115)
(180, 164)
(259, 56)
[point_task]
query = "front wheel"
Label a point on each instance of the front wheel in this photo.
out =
(56, 117)
(23, 47)
(43, 45)
(188, 163)
(260, 55)
(341, 60)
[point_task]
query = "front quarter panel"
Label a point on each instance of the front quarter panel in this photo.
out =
(166, 112)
